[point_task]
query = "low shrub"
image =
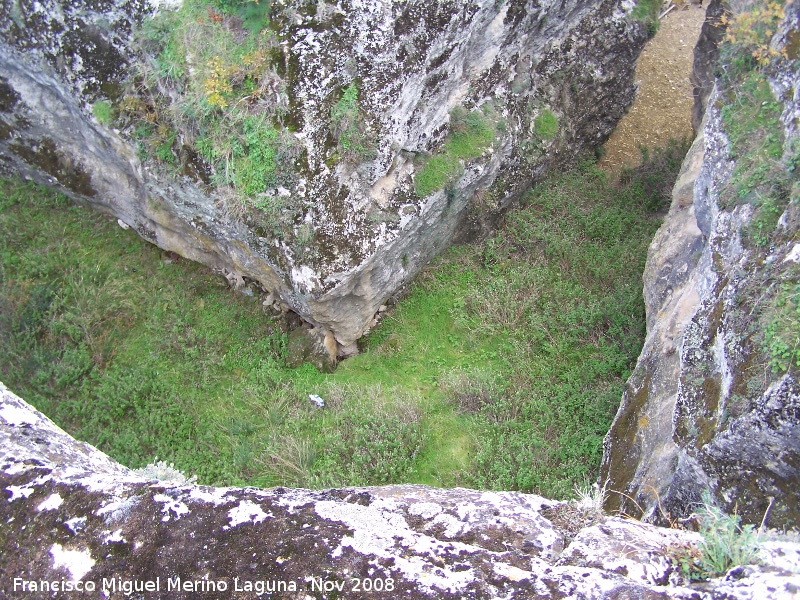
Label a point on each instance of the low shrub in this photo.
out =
(725, 544)
(205, 80)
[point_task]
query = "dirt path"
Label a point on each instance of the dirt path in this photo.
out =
(663, 106)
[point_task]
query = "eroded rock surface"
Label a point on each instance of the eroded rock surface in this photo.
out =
(707, 410)
(362, 231)
(71, 515)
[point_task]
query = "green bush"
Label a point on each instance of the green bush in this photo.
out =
(202, 79)
(647, 12)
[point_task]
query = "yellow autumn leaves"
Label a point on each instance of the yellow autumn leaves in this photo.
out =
(223, 75)
(752, 27)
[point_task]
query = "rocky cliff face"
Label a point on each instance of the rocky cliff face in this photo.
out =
(549, 80)
(714, 404)
(73, 517)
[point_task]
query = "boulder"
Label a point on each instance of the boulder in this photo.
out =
(549, 79)
(316, 346)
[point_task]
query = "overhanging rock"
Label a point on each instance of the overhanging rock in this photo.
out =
(554, 76)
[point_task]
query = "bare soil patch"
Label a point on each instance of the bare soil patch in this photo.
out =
(663, 106)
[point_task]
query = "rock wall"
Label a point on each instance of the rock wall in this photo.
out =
(74, 518)
(706, 53)
(367, 230)
(705, 411)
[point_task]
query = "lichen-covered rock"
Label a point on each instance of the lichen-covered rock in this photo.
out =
(72, 517)
(713, 407)
(554, 77)
(706, 53)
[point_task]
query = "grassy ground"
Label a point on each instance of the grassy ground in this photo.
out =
(502, 368)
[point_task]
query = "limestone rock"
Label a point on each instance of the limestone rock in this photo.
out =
(703, 411)
(706, 52)
(316, 346)
(73, 516)
(362, 231)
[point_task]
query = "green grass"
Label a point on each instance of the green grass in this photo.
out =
(782, 333)
(470, 134)
(751, 120)
(104, 112)
(255, 157)
(545, 125)
(502, 368)
(767, 178)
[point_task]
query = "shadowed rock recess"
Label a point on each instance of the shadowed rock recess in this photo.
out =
(551, 78)
(713, 405)
(72, 515)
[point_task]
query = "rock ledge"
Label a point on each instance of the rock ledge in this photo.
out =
(75, 519)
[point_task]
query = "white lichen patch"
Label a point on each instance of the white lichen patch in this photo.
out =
(215, 496)
(113, 537)
(166, 4)
(171, 504)
(16, 416)
(295, 500)
(16, 468)
(52, 502)
(724, 367)
(378, 530)
(511, 572)
(117, 509)
(246, 512)
(305, 279)
(75, 524)
(19, 491)
(77, 562)
(452, 526)
(426, 510)
(781, 554)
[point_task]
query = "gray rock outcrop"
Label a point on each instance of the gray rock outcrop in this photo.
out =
(72, 517)
(706, 54)
(708, 410)
(361, 230)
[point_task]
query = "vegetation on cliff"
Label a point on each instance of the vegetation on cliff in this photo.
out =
(501, 368)
(205, 99)
(766, 177)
